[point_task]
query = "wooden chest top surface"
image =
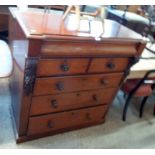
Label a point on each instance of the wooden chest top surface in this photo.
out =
(37, 24)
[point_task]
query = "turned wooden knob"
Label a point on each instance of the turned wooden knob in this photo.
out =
(104, 82)
(60, 86)
(110, 65)
(95, 97)
(50, 124)
(54, 103)
(64, 67)
(88, 117)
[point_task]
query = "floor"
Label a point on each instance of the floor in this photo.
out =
(114, 133)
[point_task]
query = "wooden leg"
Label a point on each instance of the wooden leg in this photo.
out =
(77, 12)
(142, 106)
(67, 12)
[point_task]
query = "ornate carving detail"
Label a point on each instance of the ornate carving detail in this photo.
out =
(30, 75)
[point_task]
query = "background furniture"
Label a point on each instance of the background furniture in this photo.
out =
(138, 70)
(130, 8)
(4, 22)
(6, 63)
(138, 88)
(143, 25)
(137, 74)
(65, 80)
(138, 18)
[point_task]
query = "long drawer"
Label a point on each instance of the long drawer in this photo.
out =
(53, 85)
(104, 65)
(63, 66)
(70, 101)
(69, 48)
(53, 122)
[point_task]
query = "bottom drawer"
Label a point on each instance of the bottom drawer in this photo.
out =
(53, 122)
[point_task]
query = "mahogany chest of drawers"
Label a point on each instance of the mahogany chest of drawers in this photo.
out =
(62, 81)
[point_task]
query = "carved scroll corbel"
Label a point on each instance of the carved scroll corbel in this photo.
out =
(132, 61)
(30, 75)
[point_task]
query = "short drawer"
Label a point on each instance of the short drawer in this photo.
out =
(54, 85)
(100, 65)
(49, 67)
(70, 101)
(53, 122)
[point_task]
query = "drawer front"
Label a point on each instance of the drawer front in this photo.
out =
(70, 101)
(94, 48)
(53, 122)
(49, 67)
(53, 85)
(99, 65)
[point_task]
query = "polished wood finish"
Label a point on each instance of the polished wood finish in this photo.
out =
(54, 85)
(91, 48)
(16, 82)
(50, 67)
(38, 24)
(61, 102)
(108, 65)
(53, 122)
(64, 80)
(22, 139)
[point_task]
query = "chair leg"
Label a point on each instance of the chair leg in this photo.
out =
(142, 106)
(126, 107)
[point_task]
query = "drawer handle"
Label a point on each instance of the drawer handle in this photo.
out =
(95, 98)
(110, 65)
(54, 104)
(50, 124)
(104, 82)
(60, 86)
(64, 67)
(88, 117)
